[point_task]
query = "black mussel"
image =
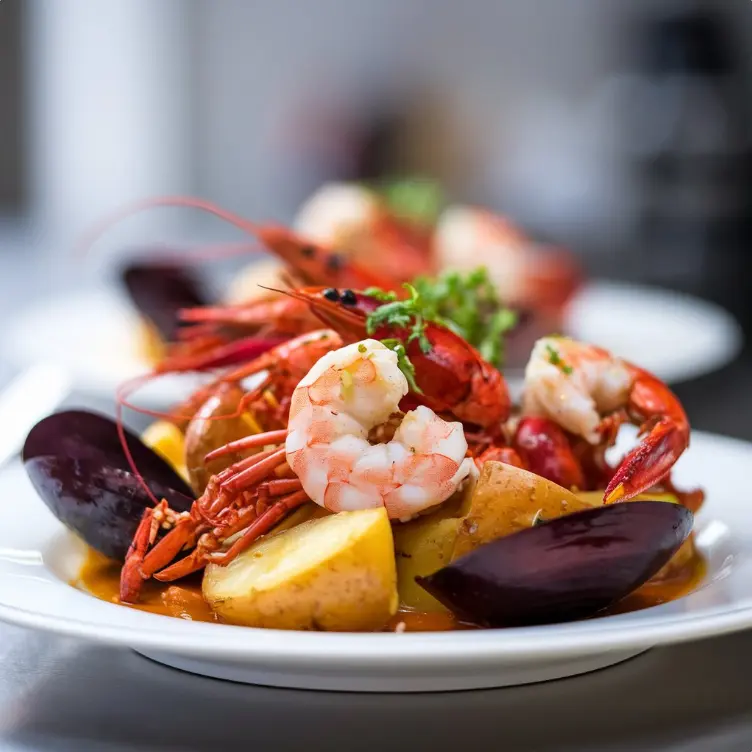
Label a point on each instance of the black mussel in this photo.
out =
(567, 568)
(77, 465)
(159, 290)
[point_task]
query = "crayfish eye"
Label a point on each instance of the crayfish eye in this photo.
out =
(348, 297)
(308, 251)
(331, 294)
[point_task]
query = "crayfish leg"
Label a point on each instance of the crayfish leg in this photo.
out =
(131, 577)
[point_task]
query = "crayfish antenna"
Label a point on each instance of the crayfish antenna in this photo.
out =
(330, 313)
(96, 232)
(120, 400)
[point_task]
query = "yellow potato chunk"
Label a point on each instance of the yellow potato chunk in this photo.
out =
(309, 511)
(149, 343)
(168, 442)
(422, 547)
(507, 499)
(336, 573)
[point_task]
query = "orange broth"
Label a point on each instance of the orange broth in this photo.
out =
(100, 577)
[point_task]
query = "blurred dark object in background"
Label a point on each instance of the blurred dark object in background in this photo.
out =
(413, 133)
(160, 289)
(690, 142)
(13, 162)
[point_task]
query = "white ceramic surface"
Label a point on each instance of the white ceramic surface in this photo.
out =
(38, 558)
(95, 335)
(676, 336)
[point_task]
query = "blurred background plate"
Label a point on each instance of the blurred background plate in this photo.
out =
(676, 336)
(96, 337)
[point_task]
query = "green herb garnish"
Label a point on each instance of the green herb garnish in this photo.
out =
(416, 200)
(468, 304)
(411, 314)
(404, 363)
(556, 360)
(379, 294)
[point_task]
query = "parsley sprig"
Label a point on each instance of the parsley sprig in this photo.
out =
(466, 303)
(469, 304)
(416, 200)
(403, 362)
(412, 314)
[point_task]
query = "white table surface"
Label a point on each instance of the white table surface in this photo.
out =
(62, 694)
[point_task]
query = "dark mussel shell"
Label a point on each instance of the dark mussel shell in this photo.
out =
(159, 290)
(77, 465)
(568, 568)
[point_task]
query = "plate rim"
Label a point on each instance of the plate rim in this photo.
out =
(414, 649)
(716, 359)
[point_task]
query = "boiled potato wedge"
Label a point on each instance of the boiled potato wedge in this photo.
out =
(424, 545)
(167, 440)
(336, 573)
(149, 342)
(507, 499)
(421, 547)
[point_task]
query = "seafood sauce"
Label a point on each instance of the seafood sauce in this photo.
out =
(100, 577)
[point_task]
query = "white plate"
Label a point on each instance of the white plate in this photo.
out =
(677, 337)
(38, 558)
(94, 335)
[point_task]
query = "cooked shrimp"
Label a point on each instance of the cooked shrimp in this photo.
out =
(356, 223)
(574, 385)
(525, 274)
(578, 386)
(334, 408)
(338, 215)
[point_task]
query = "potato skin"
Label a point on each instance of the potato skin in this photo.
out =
(504, 500)
(507, 499)
(335, 573)
(205, 433)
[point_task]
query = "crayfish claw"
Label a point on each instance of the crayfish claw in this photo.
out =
(649, 462)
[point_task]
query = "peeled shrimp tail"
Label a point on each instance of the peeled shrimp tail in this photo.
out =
(334, 408)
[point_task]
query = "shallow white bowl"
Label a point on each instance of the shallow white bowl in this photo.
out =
(38, 558)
